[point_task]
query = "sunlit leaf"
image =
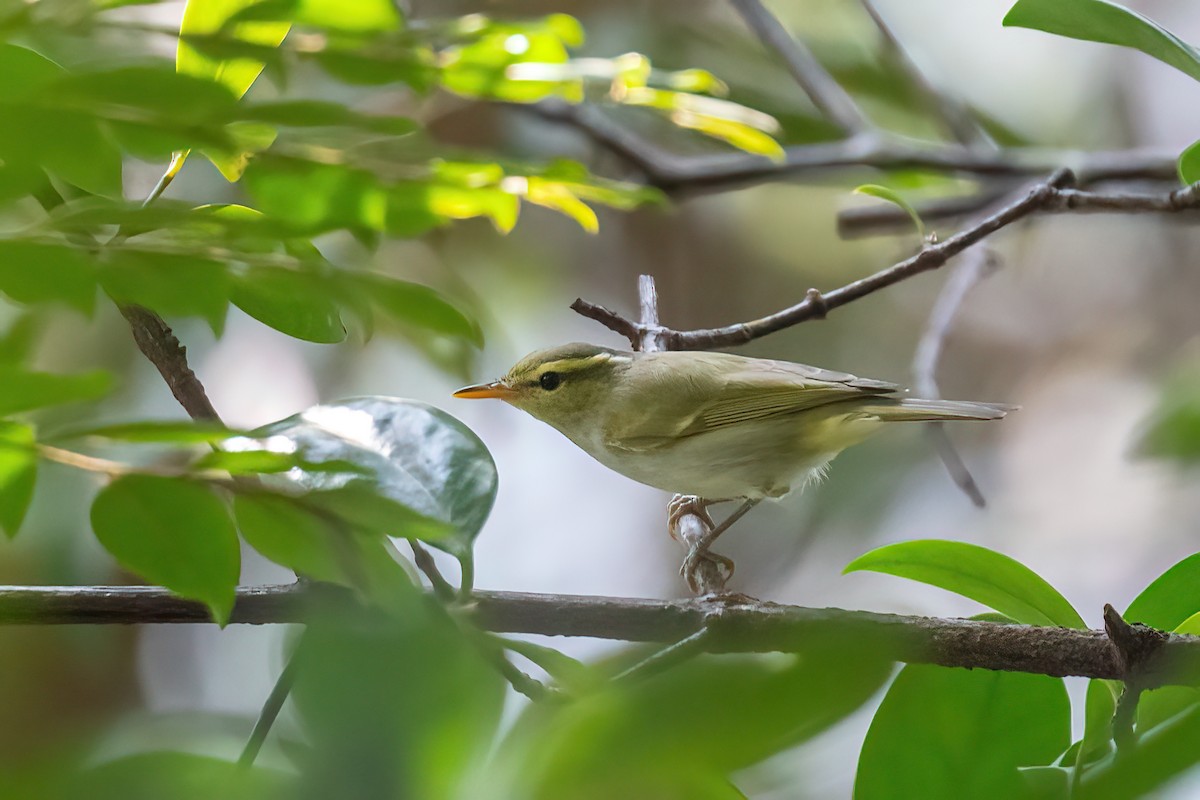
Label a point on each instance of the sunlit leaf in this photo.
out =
(955, 733)
(893, 197)
(42, 273)
(559, 197)
(18, 474)
(975, 572)
(24, 390)
(210, 16)
(1102, 21)
(416, 456)
(172, 532)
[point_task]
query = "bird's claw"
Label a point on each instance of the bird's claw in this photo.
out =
(683, 505)
(692, 565)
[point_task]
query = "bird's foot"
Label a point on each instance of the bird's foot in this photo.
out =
(684, 505)
(706, 572)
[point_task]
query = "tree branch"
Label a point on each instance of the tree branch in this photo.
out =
(1050, 195)
(825, 92)
(742, 626)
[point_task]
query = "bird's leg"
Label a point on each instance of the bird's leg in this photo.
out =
(698, 551)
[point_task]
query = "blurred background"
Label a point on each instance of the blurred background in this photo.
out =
(1085, 325)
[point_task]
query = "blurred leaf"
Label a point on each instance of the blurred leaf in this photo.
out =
(982, 575)
(41, 273)
(639, 738)
(360, 504)
(292, 302)
(1160, 755)
(24, 73)
(318, 113)
(1159, 705)
(1099, 706)
(559, 197)
(884, 193)
(171, 432)
(248, 139)
(398, 706)
(18, 474)
(24, 390)
(17, 343)
(210, 16)
(483, 67)
(414, 304)
(1173, 430)
(179, 776)
(1108, 23)
(1189, 163)
(954, 733)
(169, 284)
(417, 456)
(1171, 598)
(172, 532)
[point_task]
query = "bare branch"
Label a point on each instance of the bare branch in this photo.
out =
(157, 342)
(1050, 195)
(825, 93)
(736, 625)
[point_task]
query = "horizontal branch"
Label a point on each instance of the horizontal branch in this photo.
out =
(733, 625)
(1054, 194)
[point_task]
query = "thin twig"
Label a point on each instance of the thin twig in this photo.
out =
(442, 588)
(749, 626)
(660, 660)
(978, 264)
(825, 92)
(1051, 194)
(953, 114)
(272, 707)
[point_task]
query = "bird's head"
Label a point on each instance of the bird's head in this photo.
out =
(559, 385)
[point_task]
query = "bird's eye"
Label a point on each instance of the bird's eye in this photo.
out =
(550, 380)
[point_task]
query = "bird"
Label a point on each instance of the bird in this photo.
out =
(709, 426)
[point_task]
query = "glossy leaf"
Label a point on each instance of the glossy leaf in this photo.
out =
(292, 302)
(1189, 164)
(172, 532)
(1171, 598)
(416, 456)
(983, 575)
(24, 390)
(1109, 23)
(893, 197)
(18, 474)
(47, 273)
(955, 733)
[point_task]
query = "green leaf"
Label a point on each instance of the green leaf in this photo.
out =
(1160, 755)
(24, 390)
(202, 17)
(171, 285)
(1171, 598)
(46, 273)
(983, 575)
(1173, 430)
(569, 673)
(287, 534)
(179, 776)
(416, 456)
(893, 197)
(1109, 23)
(416, 305)
(954, 733)
(170, 432)
(1189, 163)
(625, 739)
(172, 532)
(1159, 705)
(17, 343)
(18, 474)
(1099, 706)
(292, 302)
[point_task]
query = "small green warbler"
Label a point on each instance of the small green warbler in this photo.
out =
(714, 425)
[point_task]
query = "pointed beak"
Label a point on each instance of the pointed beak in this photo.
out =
(480, 391)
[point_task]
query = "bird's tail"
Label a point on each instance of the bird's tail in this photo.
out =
(914, 410)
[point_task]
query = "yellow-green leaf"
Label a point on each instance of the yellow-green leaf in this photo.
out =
(893, 197)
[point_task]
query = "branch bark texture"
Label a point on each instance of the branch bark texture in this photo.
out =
(739, 625)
